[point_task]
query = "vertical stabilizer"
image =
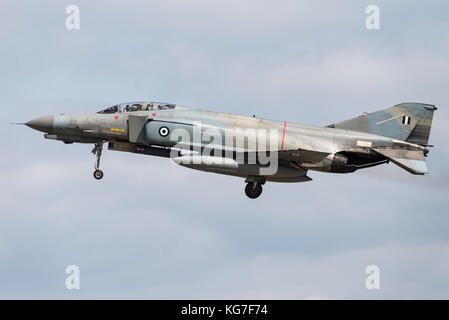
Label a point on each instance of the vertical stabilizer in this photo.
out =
(409, 121)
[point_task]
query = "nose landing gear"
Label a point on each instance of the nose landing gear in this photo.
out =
(98, 174)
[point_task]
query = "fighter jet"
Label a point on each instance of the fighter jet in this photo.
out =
(256, 149)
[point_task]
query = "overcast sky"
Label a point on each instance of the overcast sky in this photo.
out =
(151, 229)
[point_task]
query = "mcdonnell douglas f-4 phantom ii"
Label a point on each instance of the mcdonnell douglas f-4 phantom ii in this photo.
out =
(256, 149)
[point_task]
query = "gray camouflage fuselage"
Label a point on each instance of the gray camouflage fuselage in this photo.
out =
(343, 147)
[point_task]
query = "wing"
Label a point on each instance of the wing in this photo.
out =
(299, 155)
(288, 162)
(302, 155)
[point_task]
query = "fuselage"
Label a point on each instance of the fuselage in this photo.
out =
(256, 149)
(346, 150)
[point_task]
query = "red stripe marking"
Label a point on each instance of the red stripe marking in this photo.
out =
(283, 135)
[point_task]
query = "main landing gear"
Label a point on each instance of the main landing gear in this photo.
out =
(98, 174)
(253, 188)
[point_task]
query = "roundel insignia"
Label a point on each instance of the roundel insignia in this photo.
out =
(163, 131)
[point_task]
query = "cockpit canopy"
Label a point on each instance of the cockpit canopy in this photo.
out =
(138, 106)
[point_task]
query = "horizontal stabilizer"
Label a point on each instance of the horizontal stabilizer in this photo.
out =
(410, 160)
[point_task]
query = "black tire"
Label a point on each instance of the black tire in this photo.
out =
(98, 174)
(252, 192)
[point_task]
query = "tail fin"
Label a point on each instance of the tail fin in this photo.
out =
(409, 121)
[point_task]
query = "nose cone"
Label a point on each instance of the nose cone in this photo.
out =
(44, 124)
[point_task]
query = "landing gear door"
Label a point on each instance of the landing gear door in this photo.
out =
(136, 129)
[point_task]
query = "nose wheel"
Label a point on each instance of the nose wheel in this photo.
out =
(98, 174)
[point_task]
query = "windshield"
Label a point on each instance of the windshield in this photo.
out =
(138, 106)
(112, 109)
